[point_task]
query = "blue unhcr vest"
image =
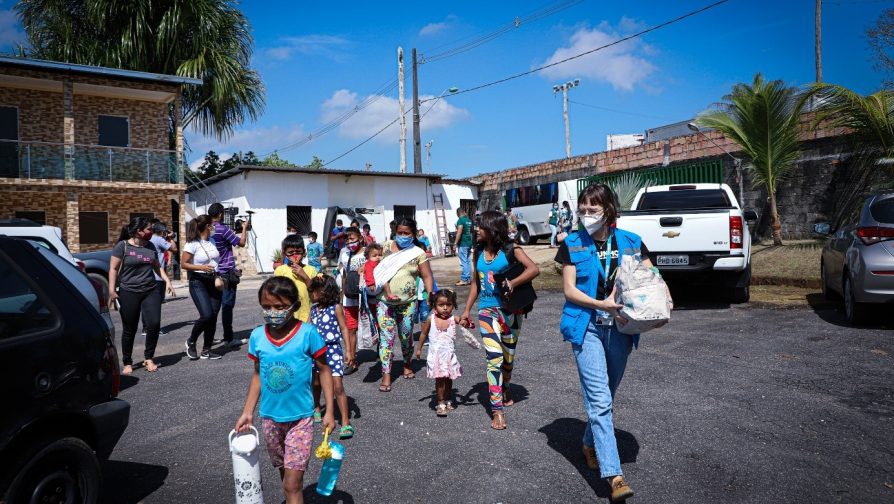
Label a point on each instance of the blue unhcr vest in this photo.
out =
(589, 272)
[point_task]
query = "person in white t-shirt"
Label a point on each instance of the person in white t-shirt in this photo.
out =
(200, 258)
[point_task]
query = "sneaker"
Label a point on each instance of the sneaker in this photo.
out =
(208, 354)
(620, 489)
(217, 341)
(191, 351)
(237, 342)
(349, 370)
(160, 333)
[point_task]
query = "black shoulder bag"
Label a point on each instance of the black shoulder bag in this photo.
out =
(521, 300)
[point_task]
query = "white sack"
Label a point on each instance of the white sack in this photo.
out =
(646, 298)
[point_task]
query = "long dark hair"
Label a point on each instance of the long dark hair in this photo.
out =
(196, 227)
(496, 230)
(132, 228)
(602, 195)
(328, 289)
(410, 223)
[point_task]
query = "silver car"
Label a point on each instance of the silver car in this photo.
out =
(858, 259)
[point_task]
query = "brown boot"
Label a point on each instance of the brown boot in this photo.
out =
(620, 489)
(590, 457)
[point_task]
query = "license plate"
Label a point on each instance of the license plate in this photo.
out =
(673, 260)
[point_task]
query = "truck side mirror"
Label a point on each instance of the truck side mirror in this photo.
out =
(750, 215)
(822, 228)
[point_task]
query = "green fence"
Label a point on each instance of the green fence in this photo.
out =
(704, 172)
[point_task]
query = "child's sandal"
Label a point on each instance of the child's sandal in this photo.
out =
(318, 417)
(346, 432)
(450, 405)
(441, 410)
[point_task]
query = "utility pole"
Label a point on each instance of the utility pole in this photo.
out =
(564, 88)
(428, 155)
(403, 117)
(818, 29)
(417, 140)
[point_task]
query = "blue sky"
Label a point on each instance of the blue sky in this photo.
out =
(318, 61)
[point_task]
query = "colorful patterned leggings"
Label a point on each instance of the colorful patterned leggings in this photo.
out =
(499, 333)
(395, 320)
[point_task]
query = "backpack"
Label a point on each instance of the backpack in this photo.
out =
(521, 301)
(351, 283)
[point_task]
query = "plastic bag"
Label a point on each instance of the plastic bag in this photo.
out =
(646, 298)
(367, 330)
(468, 337)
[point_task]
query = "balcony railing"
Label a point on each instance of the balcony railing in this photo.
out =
(46, 160)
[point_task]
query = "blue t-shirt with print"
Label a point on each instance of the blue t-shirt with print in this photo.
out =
(314, 253)
(486, 285)
(285, 368)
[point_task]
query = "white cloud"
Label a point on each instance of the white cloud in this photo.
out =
(624, 66)
(330, 46)
(10, 30)
(259, 140)
(434, 28)
(384, 110)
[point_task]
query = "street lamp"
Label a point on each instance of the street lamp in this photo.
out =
(736, 161)
(564, 89)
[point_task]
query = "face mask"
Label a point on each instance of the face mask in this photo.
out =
(354, 246)
(147, 235)
(593, 224)
(277, 318)
(404, 242)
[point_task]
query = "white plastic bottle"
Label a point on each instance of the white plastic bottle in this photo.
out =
(245, 450)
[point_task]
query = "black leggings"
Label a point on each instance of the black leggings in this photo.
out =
(132, 304)
(207, 299)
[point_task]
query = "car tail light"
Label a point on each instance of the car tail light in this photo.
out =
(81, 265)
(103, 302)
(884, 272)
(871, 235)
(112, 356)
(735, 232)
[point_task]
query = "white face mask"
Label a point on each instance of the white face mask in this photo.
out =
(593, 224)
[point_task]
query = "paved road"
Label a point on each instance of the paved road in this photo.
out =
(726, 404)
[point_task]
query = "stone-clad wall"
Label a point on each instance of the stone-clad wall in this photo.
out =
(148, 120)
(40, 113)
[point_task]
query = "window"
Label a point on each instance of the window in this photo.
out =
(149, 215)
(94, 227)
(404, 211)
(41, 242)
(883, 211)
(38, 217)
(114, 131)
(682, 199)
(22, 310)
(299, 218)
(543, 194)
(9, 151)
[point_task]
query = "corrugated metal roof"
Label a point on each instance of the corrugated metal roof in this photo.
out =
(95, 70)
(326, 171)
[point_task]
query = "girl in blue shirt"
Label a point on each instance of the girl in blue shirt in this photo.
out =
(284, 350)
(499, 328)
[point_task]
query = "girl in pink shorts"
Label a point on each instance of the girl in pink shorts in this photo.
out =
(284, 350)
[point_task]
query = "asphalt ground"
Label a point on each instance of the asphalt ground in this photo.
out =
(725, 404)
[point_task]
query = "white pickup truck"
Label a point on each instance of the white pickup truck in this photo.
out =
(696, 233)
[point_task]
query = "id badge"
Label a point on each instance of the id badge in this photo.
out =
(604, 318)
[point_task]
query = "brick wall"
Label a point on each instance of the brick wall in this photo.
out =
(148, 120)
(40, 113)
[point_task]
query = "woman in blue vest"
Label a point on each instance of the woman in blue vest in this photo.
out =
(590, 257)
(499, 328)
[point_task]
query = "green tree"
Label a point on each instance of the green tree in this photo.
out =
(206, 39)
(881, 40)
(764, 119)
(211, 166)
(315, 164)
(869, 123)
(274, 160)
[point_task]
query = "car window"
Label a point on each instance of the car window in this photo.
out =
(73, 275)
(40, 241)
(684, 199)
(23, 311)
(883, 211)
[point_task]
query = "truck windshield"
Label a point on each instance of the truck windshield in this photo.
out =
(684, 199)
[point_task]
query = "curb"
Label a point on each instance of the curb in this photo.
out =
(805, 283)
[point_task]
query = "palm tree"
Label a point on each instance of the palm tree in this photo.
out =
(206, 39)
(869, 123)
(763, 118)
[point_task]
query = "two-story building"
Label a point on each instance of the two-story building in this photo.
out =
(87, 148)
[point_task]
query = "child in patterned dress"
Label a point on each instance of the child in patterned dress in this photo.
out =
(442, 364)
(328, 315)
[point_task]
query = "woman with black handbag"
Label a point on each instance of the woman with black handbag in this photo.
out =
(499, 325)
(200, 259)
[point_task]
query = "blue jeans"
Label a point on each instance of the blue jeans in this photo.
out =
(227, 303)
(552, 238)
(463, 254)
(601, 360)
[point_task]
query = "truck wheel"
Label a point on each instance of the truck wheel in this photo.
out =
(740, 291)
(523, 237)
(66, 470)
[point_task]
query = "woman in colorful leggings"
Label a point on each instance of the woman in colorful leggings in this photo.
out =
(499, 328)
(403, 263)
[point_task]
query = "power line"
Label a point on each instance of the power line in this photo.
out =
(352, 149)
(624, 39)
(620, 111)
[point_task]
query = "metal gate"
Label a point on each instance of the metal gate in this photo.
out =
(704, 172)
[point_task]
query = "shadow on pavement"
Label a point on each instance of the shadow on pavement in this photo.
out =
(128, 381)
(480, 389)
(564, 436)
(130, 482)
(693, 297)
(337, 497)
(833, 313)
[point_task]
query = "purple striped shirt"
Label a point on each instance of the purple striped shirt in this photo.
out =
(225, 239)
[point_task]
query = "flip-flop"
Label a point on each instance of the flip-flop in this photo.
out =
(409, 376)
(502, 422)
(318, 417)
(384, 388)
(441, 410)
(346, 432)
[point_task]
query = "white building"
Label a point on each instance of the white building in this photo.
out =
(311, 200)
(622, 140)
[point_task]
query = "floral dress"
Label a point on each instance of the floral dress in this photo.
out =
(442, 361)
